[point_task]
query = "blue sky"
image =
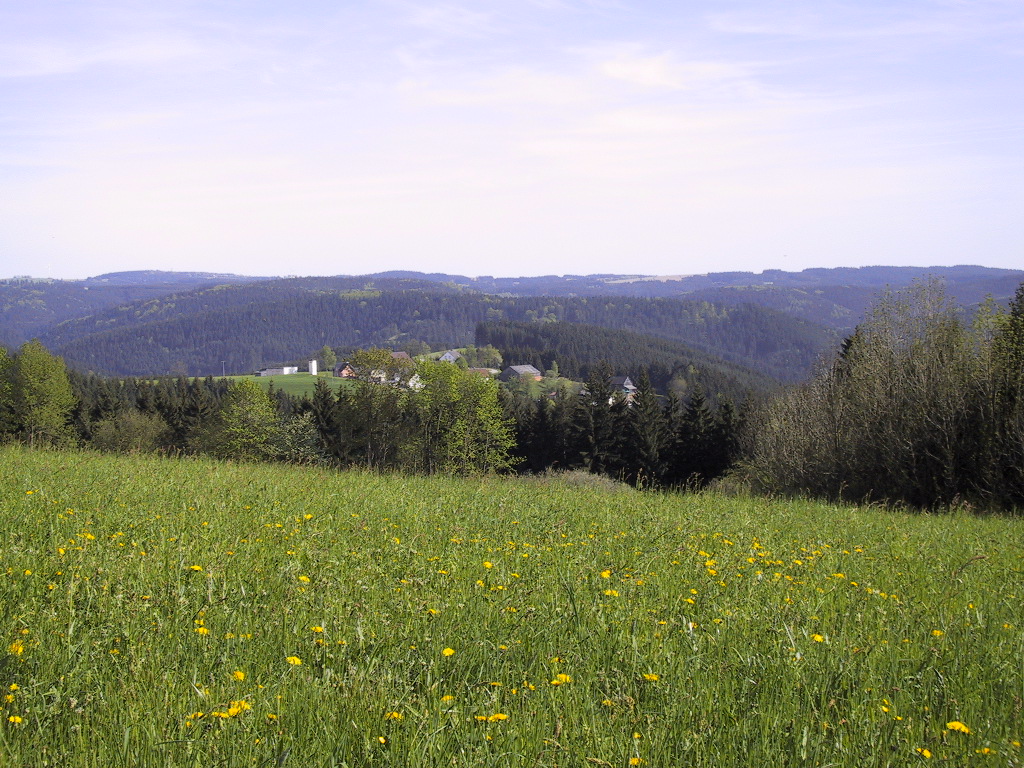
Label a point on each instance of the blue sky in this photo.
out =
(510, 137)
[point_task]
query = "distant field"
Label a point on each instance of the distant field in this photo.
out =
(160, 612)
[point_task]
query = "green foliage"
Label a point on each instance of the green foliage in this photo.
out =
(41, 399)
(131, 432)
(151, 607)
(247, 427)
(328, 357)
(459, 424)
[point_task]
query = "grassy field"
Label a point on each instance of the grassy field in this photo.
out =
(160, 612)
(295, 383)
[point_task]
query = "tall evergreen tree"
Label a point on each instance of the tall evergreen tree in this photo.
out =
(325, 416)
(644, 435)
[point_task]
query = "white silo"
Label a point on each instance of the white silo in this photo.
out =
(312, 367)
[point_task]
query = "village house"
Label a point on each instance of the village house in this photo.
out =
(450, 356)
(521, 373)
(344, 370)
(624, 386)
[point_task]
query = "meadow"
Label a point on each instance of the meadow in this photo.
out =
(189, 612)
(296, 384)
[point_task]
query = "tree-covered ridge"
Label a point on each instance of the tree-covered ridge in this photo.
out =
(578, 349)
(276, 324)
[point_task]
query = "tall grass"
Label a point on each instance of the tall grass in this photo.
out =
(195, 613)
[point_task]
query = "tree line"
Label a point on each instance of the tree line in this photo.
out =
(398, 415)
(919, 406)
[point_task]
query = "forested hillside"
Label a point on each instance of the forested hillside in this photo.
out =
(253, 326)
(578, 349)
(155, 323)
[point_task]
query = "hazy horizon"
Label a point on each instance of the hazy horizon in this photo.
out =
(509, 137)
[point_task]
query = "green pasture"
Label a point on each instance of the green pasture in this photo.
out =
(188, 612)
(297, 384)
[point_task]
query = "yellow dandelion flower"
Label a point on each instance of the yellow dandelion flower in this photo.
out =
(17, 648)
(606, 574)
(497, 717)
(195, 568)
(561, 679)
(447, 697)
(956, 725)
(651, 677)
(818, 638)
(635, 760)
(925, 753)
(238, 675)
(295, 661)
(382, 740)
(611, 592)
(14, 719)
(608, 703)
(304, 579)
(448, 652)
(937, 633)
(202, 631)
(316, 629)
(394, 716)
(488, 564)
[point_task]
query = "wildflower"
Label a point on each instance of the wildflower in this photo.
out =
(316, 629)
(195, 568)
(497, 717)
(394, 716)
(202, 631)
(488, 564)
(17, 648)
(923, 752)
(608, 703)
(382, 740)
(611, 592)
(651, 677)
(448, 652)
(238, 675)
(606, 574)
(937, 633)
(956, 725)
(14, 719)
(818, 638)
(561, 679)
(635, 760)
(304, 579)
(295, 661)
(447, 697)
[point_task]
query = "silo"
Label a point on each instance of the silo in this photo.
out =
(312, 367)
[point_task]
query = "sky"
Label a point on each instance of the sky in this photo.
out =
(509, 137)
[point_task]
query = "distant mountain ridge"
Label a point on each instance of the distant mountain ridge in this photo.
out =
(155, 322)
